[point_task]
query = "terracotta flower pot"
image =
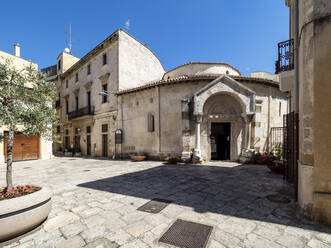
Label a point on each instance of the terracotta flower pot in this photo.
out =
(22, 214)
(138, 158)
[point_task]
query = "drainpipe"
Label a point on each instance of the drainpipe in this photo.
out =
(296, 56)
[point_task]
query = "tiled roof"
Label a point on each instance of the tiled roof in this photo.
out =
(191, 78)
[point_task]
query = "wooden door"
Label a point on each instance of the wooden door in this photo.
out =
(24, 147)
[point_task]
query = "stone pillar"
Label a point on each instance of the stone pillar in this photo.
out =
(197, 158)
(186, 132)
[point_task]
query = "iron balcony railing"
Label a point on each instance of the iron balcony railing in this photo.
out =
(49, 71)
(88, 110)
(285, 60)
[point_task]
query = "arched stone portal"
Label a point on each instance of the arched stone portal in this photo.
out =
(224, 100)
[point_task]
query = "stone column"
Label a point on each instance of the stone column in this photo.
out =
(197, 158)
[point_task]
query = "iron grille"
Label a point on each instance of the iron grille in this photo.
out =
(88, 110)
(285, 60)
(291, 149)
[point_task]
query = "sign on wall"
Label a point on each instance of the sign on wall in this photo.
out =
(118, 136)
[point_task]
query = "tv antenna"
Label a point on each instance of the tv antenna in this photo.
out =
(68, 37)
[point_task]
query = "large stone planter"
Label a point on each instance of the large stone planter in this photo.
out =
(22, 214)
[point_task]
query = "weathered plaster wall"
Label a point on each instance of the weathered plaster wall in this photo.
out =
(322, 112)
(137, 64)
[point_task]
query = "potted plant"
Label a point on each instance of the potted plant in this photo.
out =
(26, 106)
(78, 152)
(68, 152)
(139, 157)
(173, 159)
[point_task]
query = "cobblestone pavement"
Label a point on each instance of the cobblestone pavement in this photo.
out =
(95, 204)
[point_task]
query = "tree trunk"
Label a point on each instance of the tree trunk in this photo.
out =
(9, 174)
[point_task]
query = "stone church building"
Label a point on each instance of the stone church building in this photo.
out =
(197, 110)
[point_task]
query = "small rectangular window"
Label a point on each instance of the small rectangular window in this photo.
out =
(76, 77)
(67, 83)
(104, 95)
(280, 108)
(88, 129)
(67, 132)
(58, 129)
(104, 59)
(150, 123)
(59, 65)
(67, 107)
(88, 69)
(76, 102)
(104, 128)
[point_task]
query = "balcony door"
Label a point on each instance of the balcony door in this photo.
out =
(89, 101)
(88, 145)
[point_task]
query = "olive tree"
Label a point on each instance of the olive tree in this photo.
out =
(26, 105)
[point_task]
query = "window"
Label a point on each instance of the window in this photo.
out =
(76, 80)
(88, 129)
(67, 83)
(76, 102)
(104, 96)
(67, 131)
(280, 108)
(76, 130)
(150, 127)
(104, 59)
(67, 106)
(88, 69)
(59, 64)
(104, 128)
(58, 129)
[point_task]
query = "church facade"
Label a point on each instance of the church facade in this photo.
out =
(119, 101)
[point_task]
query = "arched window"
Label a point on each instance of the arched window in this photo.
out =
(150, 123)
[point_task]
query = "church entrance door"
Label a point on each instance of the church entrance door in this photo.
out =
(220, 141)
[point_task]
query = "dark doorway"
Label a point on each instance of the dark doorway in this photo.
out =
(220, 141)
(105, 145)
(88, 145)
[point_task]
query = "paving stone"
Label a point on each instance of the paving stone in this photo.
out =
(72, 229)
(93, 233)
(138, 228)
(102, 243)
(27, 244)
(95, 220)
(225, 238)
(271, 233)
(314, 243)
(89, 212)
(74, 241)
(60, 221)
(291, 241)
(120, 237)
(135, 244)
(238, 227)
(256, 241)
(324, 237)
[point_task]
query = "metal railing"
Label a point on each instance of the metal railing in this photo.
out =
(276, 140)
(285, 60)
(88, 110)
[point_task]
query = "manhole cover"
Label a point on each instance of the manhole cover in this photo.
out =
(154, 206)
(187, 234)
(278, 198)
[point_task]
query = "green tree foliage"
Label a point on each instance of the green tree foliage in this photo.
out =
(26, 105)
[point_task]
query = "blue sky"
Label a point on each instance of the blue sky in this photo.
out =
(243, 33)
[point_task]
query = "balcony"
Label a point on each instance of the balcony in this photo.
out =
(88, 110)
(285, 60)
(49, 71)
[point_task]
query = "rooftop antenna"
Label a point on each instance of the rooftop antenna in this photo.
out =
(68, 38)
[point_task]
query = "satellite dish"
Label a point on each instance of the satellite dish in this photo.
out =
(67, 50)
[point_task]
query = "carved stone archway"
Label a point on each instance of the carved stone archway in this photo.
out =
(236, 96)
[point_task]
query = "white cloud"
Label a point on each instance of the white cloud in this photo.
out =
(127, 24)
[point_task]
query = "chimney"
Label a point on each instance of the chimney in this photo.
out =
(17, 50)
